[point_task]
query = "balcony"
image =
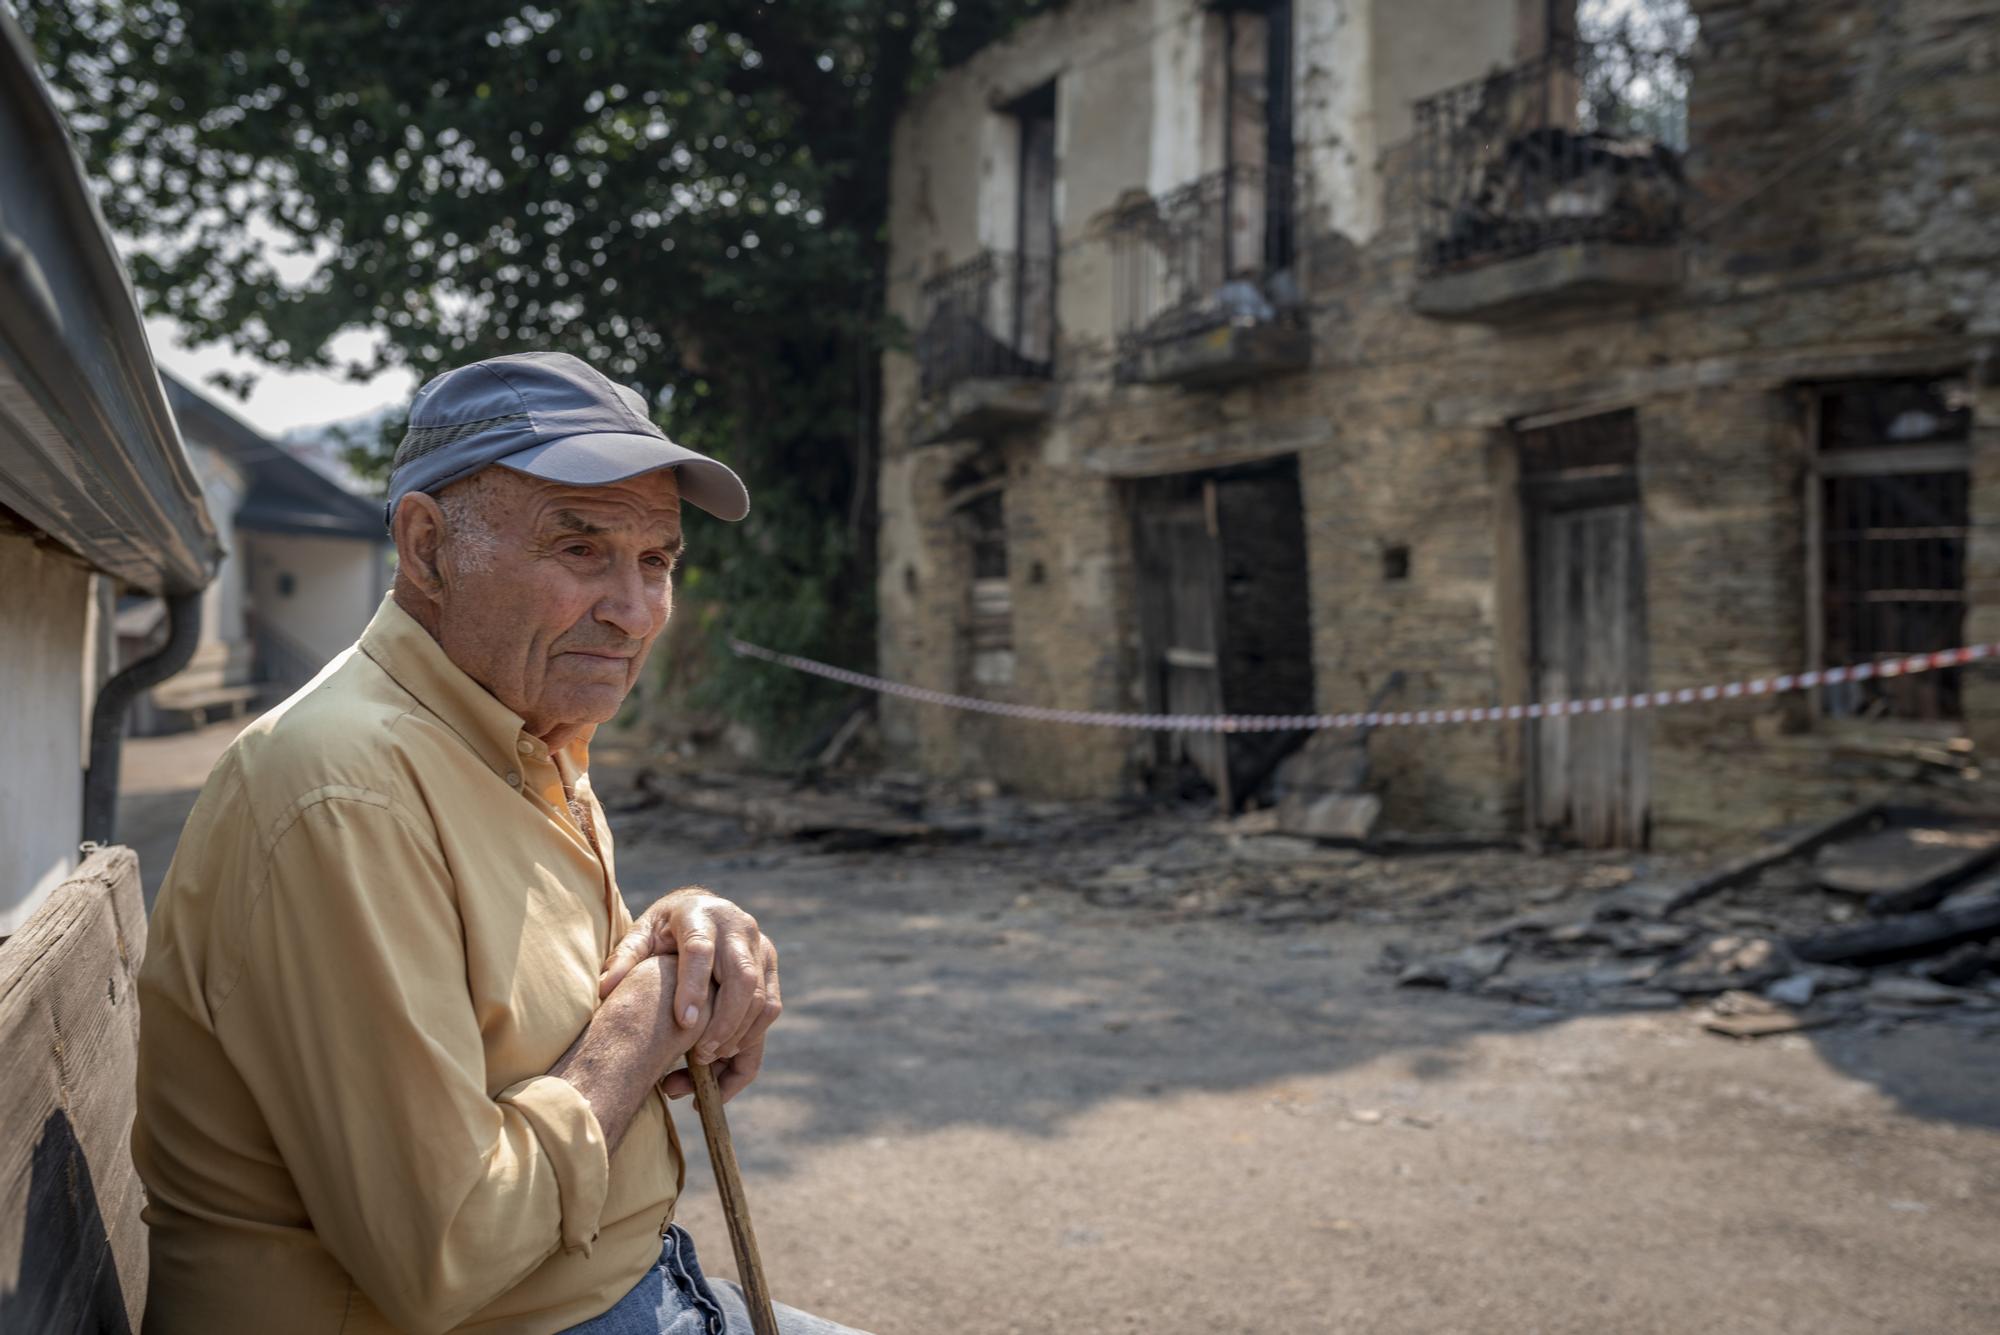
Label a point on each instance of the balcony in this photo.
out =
(985, 348)
(1202, 285)
(1556, 182)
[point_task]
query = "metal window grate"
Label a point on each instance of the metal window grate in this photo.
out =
(1894, 519)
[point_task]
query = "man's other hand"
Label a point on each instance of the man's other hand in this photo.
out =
(716, 943)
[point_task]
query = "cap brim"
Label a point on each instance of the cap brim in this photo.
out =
(605, 457)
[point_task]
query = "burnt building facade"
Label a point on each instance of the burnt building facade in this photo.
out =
(1275, 357)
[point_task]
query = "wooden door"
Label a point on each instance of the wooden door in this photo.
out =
(1180, 612)
(1266, 652)
(1589, 771)
(1223, 620)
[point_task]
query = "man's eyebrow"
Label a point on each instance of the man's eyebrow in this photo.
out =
(569, 521)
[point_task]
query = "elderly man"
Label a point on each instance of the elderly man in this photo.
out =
(404, 1051)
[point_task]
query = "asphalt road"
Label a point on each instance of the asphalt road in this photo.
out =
(992, 1108)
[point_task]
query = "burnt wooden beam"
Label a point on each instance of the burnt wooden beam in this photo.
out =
(1930, 893)
(1742, 869)
(1911, 936)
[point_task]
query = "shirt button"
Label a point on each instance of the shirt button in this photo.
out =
(513, 779)
(525, 747)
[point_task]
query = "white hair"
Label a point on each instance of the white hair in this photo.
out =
(469, 532)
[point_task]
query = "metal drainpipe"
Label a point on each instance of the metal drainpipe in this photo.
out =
(107, 717)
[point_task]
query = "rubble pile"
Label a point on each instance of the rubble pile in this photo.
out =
(1882, 916)
(1897, 920)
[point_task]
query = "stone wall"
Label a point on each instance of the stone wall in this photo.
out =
(1842, 169)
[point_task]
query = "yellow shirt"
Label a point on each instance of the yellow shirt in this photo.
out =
(382, 927)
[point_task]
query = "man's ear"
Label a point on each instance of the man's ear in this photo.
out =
(419, 534)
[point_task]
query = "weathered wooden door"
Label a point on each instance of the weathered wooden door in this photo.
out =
(1180, 593)
(1589, 771)
(1223, 620)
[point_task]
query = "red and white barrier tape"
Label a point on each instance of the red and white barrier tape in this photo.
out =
(1610, 704)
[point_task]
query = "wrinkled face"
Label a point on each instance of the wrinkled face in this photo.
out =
(551, 595)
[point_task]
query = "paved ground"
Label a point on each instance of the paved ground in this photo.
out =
(158, 779)
(992, 1107)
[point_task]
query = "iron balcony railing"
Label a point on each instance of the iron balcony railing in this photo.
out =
(993, 316)
(1213, 252)
(1582, 143)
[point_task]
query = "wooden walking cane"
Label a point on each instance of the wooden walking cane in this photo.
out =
(735, 1207)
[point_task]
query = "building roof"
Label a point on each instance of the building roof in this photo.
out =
(89, 453)
(285, 493)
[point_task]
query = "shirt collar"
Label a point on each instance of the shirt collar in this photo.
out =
(418, 663)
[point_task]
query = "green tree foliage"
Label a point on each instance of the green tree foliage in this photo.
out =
(691, 197)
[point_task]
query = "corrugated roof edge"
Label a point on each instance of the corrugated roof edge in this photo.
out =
(89, 451)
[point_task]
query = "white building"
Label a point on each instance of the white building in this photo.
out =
(306, 563)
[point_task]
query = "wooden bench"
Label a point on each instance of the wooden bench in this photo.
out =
(72, 1244)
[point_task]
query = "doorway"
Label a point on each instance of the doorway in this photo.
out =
(1588, 774)
(1224, 621)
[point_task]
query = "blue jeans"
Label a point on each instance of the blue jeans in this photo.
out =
(676, 1299)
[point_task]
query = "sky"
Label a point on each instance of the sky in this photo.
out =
(282, 400)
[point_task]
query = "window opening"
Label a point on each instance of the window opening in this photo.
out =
(1889, 504)
(990, 598)
(1035, 227)
(1220, 249)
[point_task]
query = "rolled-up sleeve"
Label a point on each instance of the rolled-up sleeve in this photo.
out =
(351, 1022)
(569, 1134)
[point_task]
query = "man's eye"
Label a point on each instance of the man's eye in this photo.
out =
(577, 549)
(659, 562)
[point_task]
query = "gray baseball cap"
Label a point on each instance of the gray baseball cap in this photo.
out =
(550, 416)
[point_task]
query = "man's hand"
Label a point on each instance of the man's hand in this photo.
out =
(627, 1047)
(714, 942)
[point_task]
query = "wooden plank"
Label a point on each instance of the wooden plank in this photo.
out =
(70, 1230)
(1815, 548)
(1552, 680)
(1743, 868)
(1202, 613)
(1891, 459)
(1179, 578)
(1638, 674)
(1609, 609)
(1266, 659)
(1910, 936)
(1589, 776)
(1601, 736)
(1905, 861)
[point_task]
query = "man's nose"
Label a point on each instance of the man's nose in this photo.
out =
(626, 604)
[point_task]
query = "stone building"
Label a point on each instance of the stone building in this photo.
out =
(1308, 354)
